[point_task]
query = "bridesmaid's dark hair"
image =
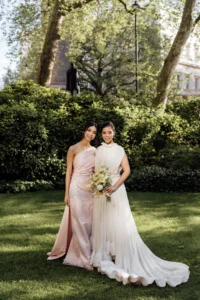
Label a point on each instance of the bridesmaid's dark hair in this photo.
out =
(95, 142)
(108, 124)
(89, 124)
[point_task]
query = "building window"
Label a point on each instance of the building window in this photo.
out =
(197, 54)
(197, 83)
(188, 83)
(188, 51)
(179, 81)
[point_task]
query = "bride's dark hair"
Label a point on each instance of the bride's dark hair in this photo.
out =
(108, 124)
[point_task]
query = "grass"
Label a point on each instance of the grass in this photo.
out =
(168, 223)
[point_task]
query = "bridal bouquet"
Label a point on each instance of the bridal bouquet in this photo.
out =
(98, 181)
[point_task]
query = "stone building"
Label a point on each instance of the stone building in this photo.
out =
(60, 68)
(188, 69)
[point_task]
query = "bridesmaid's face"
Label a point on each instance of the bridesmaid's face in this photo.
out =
(90, 133)
(108, 135)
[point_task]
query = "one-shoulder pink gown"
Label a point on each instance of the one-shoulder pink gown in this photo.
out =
(74, 236)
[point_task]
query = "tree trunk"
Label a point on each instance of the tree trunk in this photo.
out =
(48, 55)
(165, 77)
(52, 37)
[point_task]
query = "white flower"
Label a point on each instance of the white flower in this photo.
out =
(100, 187)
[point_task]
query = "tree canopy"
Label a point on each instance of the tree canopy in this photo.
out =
(101, 41)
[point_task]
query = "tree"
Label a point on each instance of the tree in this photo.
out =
(24, 25)
(46, 16)
(50, 45)
(186, 27)
(101, 43)
(52, 37)
(10, 76)
(102, 49)
(36, 25)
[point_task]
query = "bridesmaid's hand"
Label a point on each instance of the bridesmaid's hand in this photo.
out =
(67, 200)
(110, 189)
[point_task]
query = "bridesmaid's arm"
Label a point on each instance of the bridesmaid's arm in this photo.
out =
(69, 164)
(126, 172)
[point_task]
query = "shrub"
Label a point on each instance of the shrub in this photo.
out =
(25, 186)
(37, 125)
(156, 179)
(188, 109)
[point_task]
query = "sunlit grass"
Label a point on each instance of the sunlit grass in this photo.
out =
(168, 223)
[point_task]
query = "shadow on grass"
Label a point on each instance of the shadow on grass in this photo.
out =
(28, 275)
(29, 203)
(31, 266)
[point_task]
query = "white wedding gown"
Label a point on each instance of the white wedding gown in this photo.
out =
(118, 250)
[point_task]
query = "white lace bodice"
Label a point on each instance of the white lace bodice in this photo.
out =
(110, 156)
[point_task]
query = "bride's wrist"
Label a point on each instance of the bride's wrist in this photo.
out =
(114, 188)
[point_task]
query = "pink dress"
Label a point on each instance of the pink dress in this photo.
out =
(74, 236)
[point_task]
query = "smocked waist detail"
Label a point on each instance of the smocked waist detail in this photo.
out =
(82, 173)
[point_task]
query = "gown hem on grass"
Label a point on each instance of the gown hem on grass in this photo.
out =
(74, 236)
(115, 235)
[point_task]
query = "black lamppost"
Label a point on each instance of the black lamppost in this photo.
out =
(135, 7)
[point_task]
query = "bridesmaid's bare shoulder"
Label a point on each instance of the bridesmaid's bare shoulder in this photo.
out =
(72, 149)
(75, 149)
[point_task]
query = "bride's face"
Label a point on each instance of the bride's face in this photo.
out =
(90, 133)
(108, 135)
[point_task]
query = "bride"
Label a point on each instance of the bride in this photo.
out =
(118, 250)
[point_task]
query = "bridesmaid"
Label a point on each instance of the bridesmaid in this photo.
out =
(74, 236)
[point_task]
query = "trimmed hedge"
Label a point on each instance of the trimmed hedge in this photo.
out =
(156, 179)
(146, 179)
(37, 125)
(25, 186)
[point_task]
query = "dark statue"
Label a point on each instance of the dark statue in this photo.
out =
(72, 85)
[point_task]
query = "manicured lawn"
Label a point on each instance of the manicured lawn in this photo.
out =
(168, 223)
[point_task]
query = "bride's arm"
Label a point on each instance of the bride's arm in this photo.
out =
(69, 163)
(126, 172)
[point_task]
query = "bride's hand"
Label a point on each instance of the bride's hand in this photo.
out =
(110, 189)
(67, 200)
